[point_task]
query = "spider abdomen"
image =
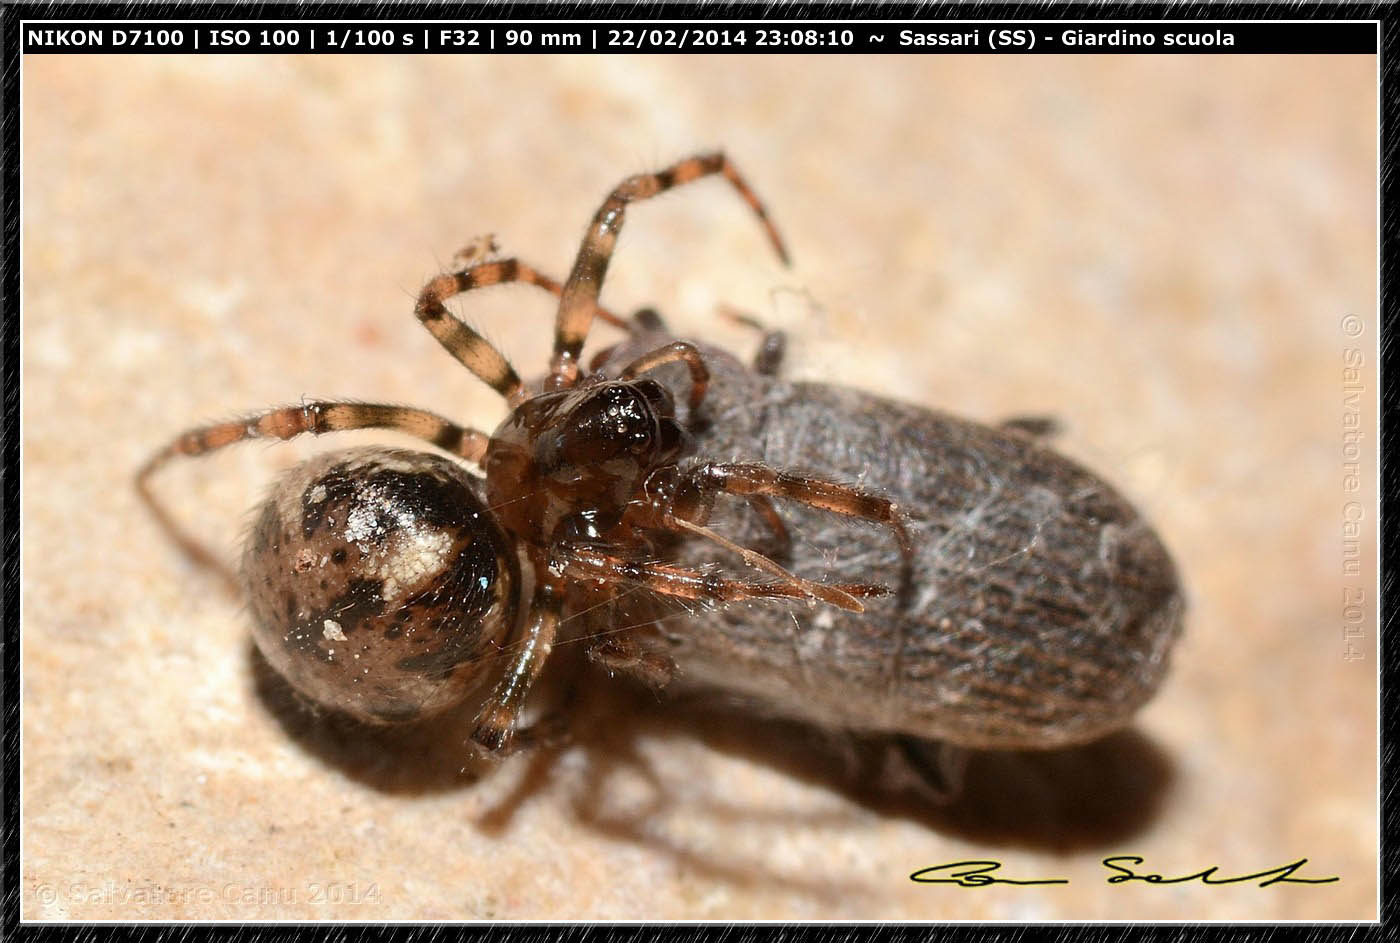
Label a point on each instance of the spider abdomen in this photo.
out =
(378, 583)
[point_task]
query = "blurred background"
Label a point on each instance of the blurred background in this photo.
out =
(1161, 251)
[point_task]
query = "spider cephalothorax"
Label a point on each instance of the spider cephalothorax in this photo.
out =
(568, 464)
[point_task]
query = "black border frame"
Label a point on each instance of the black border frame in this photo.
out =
(12, 14)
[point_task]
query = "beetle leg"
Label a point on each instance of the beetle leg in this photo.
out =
(1037, 427)
(648, 319)
(939, 767)
(772, 346)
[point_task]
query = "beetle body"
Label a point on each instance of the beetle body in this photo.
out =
(1041, 609)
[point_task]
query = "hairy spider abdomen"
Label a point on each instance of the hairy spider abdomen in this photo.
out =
(379, 584)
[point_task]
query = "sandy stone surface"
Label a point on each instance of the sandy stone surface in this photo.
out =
(1165, 252)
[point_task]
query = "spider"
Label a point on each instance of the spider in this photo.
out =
(382, 580)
